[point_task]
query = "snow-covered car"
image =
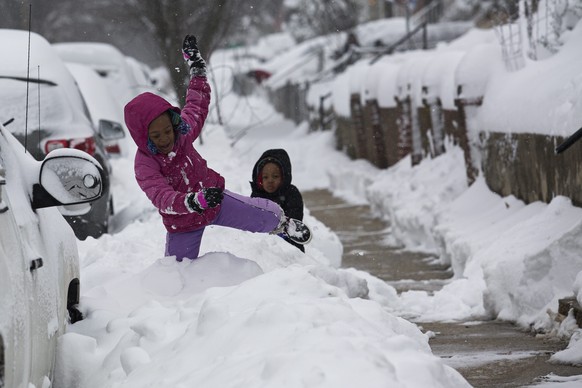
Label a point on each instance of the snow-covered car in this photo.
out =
(126, 76)
(39, 263)
(105, 113)
(49, 112)
(108, 61)
(142, 74)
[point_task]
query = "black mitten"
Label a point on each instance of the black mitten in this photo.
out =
(205, 198)
(213, 196)
(192, 57)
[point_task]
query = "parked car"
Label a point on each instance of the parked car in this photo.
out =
(126, 76)
(105, 113)
(154, 81)
(39, 264)
(142, 74)
(108, 61)
(49, 112)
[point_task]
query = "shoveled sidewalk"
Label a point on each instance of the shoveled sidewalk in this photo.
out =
(486, 353)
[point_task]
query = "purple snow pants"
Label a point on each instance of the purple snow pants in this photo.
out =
(236, 211)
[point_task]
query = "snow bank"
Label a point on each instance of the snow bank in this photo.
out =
(220, 321)
(511, 260)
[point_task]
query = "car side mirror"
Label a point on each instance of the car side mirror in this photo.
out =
(67, 177)
(110, 130)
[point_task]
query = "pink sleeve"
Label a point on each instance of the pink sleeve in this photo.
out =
(157, 189)
(196, 108)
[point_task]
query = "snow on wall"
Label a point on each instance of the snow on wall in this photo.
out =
(476, 68)
(518, 97)
(386, 84)
(371, 78)
(341, 95)
(357, 79)
(439, 77)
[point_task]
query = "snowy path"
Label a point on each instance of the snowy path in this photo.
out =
(486, 353)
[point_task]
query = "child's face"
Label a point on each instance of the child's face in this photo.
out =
(272, 178)
(161, 133)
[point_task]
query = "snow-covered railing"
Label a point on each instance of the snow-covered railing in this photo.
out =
(536, 31)
(510, 38)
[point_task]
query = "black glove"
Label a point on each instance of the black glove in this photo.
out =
(192, 57)
(205, 198)
(213, 196)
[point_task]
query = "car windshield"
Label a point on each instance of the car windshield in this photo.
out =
(46, 103)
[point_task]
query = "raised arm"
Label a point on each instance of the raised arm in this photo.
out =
(195, 110)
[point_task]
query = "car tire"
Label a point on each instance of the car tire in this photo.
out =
(75, 315)
(111, 208)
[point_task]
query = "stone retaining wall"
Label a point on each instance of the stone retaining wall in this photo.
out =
(523, 165)
(526, 166)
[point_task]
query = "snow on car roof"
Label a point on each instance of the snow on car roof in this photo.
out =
(102, 57)
(43, 58)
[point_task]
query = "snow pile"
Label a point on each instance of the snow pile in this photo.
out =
(511, 260)
(411, 198)
(220, 322)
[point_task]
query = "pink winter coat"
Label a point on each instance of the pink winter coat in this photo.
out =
(167, 179)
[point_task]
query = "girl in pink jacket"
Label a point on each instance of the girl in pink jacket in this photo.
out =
(187, 193)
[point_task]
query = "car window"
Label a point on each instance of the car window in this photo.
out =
(84, 103)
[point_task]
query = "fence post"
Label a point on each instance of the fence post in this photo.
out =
(434, 106)
(324, 118)
(461, 104)
(357, 118)
(377, 142)
(404, 127)
(415, 132)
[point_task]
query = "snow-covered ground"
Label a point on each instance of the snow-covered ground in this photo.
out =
(254, 311)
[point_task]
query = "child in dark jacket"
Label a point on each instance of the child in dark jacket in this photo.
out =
(272, 180)
(188, 194)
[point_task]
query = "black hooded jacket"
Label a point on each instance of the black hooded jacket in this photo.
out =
(287, 196)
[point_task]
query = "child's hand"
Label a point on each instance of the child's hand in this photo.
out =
(205, 198)
(213, 196)
(192, 56)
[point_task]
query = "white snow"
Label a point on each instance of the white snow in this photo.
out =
(254, 311)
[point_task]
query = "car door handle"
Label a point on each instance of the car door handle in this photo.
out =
(36, 264)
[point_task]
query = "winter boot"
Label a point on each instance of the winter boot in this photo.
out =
(294, 230)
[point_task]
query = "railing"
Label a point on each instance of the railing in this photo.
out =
(431, 13)
(510, 38)
(390, 49)
(525, 32)
(325, 117)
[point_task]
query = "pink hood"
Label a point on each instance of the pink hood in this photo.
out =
(141, 111)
